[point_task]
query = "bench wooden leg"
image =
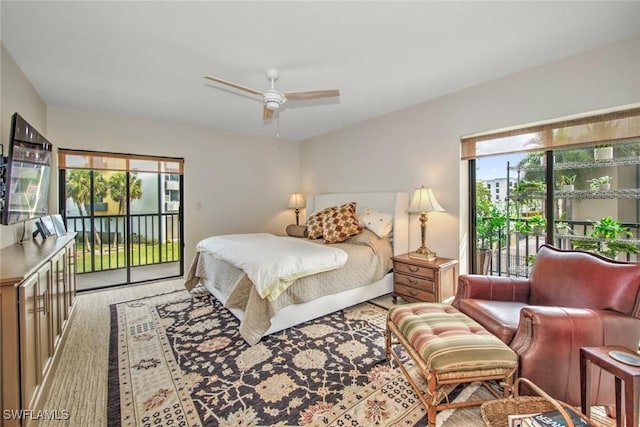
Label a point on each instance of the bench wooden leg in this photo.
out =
(432, 410)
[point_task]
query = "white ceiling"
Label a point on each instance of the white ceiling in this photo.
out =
(149, 58)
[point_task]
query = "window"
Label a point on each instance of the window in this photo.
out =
(572, 183)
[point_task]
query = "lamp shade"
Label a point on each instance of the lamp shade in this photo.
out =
(423, 200)
(296, 201)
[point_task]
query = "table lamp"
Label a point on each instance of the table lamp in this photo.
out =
(296, 201)
(423, 201)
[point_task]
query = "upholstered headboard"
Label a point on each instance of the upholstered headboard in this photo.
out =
(393, 203)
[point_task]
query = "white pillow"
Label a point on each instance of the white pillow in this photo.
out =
(376, 221)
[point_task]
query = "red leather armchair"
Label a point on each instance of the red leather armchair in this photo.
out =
(572, 299)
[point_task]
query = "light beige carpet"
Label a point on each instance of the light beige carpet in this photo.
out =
(79, 382)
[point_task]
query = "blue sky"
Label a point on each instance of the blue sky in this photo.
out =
(496, 166)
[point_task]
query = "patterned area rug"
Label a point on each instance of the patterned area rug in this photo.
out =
(178, 360)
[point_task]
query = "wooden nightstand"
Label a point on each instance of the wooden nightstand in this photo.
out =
(420, 280)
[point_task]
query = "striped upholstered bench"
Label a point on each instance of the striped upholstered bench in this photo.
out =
(447, 347)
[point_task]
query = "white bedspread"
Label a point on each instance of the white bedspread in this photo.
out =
(272, 262)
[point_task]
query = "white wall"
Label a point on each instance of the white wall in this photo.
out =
(421, 145)
(233, 183)
(17, 95)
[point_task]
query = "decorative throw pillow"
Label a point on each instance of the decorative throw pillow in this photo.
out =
(294, 230)
(376, 221)
(314, 223)
(340, 224)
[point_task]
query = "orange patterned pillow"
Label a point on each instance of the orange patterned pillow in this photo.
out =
(314, 223)
(340, 223)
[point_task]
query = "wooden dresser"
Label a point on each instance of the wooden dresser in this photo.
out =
(420, 280)
(37, 292)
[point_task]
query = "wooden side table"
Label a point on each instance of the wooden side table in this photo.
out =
(630, 374)
(416, 279)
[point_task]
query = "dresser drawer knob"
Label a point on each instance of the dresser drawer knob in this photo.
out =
(412, 281)
(413, 269)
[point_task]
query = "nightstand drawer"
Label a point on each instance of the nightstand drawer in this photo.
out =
(414, 282)
(413, 293)
(423, 272)
(416, 279)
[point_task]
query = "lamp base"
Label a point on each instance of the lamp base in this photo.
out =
(431, 256)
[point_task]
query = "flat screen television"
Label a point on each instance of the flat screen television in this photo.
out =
(27, 174)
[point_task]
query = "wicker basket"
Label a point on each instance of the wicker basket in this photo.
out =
(495, 412)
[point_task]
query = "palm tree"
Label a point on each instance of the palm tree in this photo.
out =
(79, 190)
(99, 187)
(135, 188)
(118, 191)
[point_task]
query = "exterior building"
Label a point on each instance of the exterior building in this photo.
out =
(498, 188)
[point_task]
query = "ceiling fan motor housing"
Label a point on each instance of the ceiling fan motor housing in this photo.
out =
(274, 99)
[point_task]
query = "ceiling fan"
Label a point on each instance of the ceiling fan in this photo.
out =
(273, 99)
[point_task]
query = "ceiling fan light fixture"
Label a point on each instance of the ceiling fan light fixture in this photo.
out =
(273, 105)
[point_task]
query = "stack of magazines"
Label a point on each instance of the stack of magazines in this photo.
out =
(548, 419)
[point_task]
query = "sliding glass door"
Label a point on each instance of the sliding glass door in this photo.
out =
(127, 211)
(155, 227)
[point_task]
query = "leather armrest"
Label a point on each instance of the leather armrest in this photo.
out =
(548, 342)
(542, 325)
(493, 288)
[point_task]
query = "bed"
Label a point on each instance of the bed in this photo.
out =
(318, 294)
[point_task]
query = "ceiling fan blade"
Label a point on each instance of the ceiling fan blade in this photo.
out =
(235, 85)
(266, 113)
(314, 94)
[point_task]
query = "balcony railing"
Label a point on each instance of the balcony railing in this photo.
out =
(107, 242)
(512, 253)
